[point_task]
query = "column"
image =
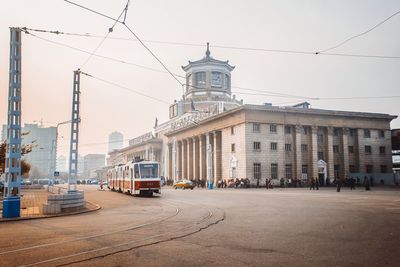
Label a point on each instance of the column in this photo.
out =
(217, 157)
(190, 158)
(202, 158)
(171, 162)
(330, 160)
(345, 149)
(209, 159)
(196, 160)
(314, 152)
(297, 157)
(179, 165)
(184, 159)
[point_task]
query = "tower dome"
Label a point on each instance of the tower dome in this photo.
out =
(208, 78)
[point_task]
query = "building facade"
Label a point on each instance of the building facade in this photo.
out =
(92, 162)
(211, 136)
(115, 141)
(43, 141)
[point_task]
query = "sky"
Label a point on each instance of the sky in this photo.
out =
(47, 67)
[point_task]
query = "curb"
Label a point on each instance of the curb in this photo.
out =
(97, 207)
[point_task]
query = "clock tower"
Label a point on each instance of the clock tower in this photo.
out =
(208, 79)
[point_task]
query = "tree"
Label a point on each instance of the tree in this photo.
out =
(25, 166)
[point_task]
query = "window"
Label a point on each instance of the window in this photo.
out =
(369, 168)
(257, 170)
(352, 131)
(320, 155)
(288, 130)
(232, 147)
(336, 171)
(336, 149)
(304, 130)
(274, 146)
(335, 131)
(304, 148)
(256, 127)
(272, 128)
(274, 171)
(383, 169)
(368, 150)
(382, 150)
(352, 168)
(232, 130)
(257, 146)
(367, 133)
(216, 79)
(351, 149)
(320, 139)
(227, 81)
(381, 133)
(200, 78)
(288, 171)
(288, 147)
(304, 169)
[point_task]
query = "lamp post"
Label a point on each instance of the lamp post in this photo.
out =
(54, 152)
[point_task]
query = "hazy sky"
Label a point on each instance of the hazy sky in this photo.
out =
(47, 73)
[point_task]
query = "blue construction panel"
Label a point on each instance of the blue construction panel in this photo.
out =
(11, 207)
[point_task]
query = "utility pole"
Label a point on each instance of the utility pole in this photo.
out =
(73, 152)
(12, 200)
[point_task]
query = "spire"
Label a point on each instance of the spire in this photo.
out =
(208, 50)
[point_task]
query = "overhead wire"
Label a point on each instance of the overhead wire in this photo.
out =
(125, 88)
(135, 35)
(315, 53)
(360, 34)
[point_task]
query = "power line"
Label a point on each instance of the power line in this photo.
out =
(27, 31)
(136, 36)
(125, 10)
(231, 47)
(125, 88)
(360, 34)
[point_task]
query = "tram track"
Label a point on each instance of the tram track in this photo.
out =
(189, 227)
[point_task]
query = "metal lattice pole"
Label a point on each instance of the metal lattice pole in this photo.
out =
(73, 154)
(12, 203)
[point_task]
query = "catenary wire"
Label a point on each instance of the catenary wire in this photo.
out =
(136, 36)
(105, 37)
(125, 88)
(360, 34)
(254, 49)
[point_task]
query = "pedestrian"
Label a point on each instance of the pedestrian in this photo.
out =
(266, 183)
(282, 181)
(352, 183)
(338, 185)
(316, 184)
(312, 184)
(367, 183)
(258, 183)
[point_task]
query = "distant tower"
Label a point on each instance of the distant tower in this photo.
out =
(115, 141)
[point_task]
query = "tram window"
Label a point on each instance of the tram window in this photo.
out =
(131, 173)
(149, 170)
(136, 171)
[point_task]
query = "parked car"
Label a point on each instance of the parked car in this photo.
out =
(184, 184)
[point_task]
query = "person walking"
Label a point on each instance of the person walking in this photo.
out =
(312, 184)
(367, 184)
(316, 183)
(352, 183)
(338, 185)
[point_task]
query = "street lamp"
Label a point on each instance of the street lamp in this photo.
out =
(54, 152)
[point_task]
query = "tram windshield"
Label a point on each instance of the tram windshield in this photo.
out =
(149, 170)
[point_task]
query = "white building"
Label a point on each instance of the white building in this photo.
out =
(115, 141)
(93, 162)
(43, 155)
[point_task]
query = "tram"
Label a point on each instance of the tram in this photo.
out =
(138, 177)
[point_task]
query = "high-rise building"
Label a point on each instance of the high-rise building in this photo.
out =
(62, 164)
(92, 162)
(115, 141)
(42, 158)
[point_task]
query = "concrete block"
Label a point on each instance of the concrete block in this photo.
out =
(51, 208)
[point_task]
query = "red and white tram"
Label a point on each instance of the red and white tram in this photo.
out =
(135, 178)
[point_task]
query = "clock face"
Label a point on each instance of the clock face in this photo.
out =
(216, 79)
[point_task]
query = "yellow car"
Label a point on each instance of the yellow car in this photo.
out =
(184, 184)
